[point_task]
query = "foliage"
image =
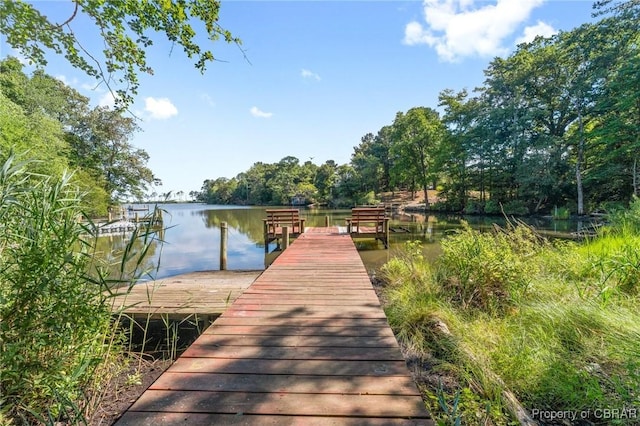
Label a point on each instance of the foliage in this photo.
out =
(561, 213)
(418, 135)
(54, 325)
(489, 271)
(45, 120)
(562, 345)
(123, 25)
(554, 124)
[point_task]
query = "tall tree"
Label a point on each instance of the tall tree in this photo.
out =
(100, 144)
(618, 107)
(418, 135)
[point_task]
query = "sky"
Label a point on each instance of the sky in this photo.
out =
(312, 78)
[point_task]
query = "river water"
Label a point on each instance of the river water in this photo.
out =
(190, 240)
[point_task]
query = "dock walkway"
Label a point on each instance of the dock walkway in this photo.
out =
(306, 344)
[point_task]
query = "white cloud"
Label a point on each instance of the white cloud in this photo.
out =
(107, 100)
(208, 99)
(309, 74)
(160, 108)
(540, 29)
(458, 28)
(256, 112)
(20, 57)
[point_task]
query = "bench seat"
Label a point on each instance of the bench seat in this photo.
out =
(369, 222)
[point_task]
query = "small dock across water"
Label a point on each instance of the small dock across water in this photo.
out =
(306, 344)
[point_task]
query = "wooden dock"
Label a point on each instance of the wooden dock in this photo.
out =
(206, 292)
(306, 344)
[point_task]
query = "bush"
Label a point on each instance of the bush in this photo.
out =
(561, 213)
(515, 207)
(489, 271)
(474, 207)
(55, 327)
(626, 221)
(368, 199)
(492, 207)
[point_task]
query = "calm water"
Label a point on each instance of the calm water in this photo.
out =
(192, 236)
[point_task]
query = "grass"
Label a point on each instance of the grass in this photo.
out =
(60, 345)
(557, 325)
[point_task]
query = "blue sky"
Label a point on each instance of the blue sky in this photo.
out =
(319, 76)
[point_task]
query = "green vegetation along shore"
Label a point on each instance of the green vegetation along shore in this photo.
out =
(512, 321)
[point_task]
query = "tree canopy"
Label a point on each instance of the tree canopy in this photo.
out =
(124, 26)
(48, 123)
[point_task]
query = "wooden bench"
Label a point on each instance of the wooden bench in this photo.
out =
(279, 218)
(368, 222)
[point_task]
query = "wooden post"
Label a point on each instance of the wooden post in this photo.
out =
(326, 221)
(386, 233)
(223, 246)
(137, 218)
(285, 237)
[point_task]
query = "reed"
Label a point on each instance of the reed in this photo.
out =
(555, 325)
(60, 345)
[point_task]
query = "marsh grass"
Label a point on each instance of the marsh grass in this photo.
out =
(556, 324)
(60, 345)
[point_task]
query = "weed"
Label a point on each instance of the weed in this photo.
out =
(59, 344)
(567, 337)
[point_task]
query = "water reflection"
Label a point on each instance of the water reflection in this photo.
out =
(192, 236)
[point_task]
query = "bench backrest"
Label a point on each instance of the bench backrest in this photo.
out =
(367, 215)
(283, 216)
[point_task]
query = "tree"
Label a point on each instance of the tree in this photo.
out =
(123, 25)
(94, 141)
(617, 127)
(459, 154)
(417, 137)
(100, 145)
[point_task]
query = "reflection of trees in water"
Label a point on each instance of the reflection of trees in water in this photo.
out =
(140, 253)
(246, 221)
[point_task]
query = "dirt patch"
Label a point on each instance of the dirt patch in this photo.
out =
(126, 389)
(408, 198)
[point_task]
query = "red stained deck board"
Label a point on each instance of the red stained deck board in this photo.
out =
(303, 322)
(263, 383)
(261, 330)
(298, 353)
(134, 418)
(275, 403)
(298, 341)
(306, 344)
(284, 365)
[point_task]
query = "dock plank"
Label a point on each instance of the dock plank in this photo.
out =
(206, 292)
(306, 344)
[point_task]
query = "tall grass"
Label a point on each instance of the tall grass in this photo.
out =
(59, 343)
(555, 324)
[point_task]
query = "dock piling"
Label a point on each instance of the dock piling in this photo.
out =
(285, 237)
(224, 231)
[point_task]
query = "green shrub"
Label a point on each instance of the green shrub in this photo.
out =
(515, 207)
(58, 343)
(626, 221)
(492, 207)
(557, 348)
(561, 213)
(474, 207)
(489, 271)
(368, 199)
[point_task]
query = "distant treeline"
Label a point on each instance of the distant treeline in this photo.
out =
(557, 123)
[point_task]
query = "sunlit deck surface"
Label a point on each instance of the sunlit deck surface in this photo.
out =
(306, 344)
(207, 292)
